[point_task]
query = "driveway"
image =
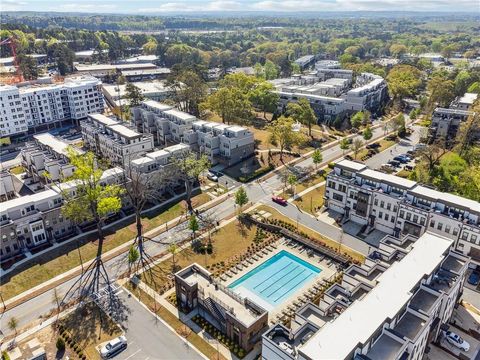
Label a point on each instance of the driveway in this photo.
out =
(474, 344)
(149, 339)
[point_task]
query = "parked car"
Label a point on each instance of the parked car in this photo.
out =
(457, 341)
(113, 347)
(474, 278)
(373, 146)
(408, 167)
(394, 163)
(411, 153)
(419, 147)
(387, 167)
(401, 159)
(279, 200)
(348, 157)
(212, 176)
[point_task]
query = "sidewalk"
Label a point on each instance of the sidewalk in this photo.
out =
(49, 284)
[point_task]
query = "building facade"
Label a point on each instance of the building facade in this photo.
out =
(111, 140)
(240, 319)
(391, 307)
(31, 106)
(399, 206)
(46, 158)
(227, 144)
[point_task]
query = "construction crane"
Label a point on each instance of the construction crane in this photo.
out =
(13, 47)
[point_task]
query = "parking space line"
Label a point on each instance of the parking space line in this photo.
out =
(135, 353)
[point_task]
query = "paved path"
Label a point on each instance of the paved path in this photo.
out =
(257, 192)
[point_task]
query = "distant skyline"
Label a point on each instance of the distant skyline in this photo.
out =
(261, 6)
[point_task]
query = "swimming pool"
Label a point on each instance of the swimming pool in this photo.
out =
(273, 281)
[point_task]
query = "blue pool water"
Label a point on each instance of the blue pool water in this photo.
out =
(273, 281)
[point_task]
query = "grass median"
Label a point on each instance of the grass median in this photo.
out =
(57, 262)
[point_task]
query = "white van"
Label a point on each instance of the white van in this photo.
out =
(113, 347)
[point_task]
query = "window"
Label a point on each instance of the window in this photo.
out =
(376, 202)
(409, 216)
(402, 214)
(382, 204)
(389, 206)
(380, 215)
(392, 219)
(395, 208)
(473, 239)
(337, 197)
(465, 235)
(386, 217)
(447, 229)
(422, 221)
(455, 231)
(432, 223)
(439, 226)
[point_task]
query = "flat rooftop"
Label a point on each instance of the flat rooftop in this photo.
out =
(385, 348)
(362, 318)
(387, 178)
(156, 105)
(106, 67)
(124, 131)
(351, 165)
(423, 300)
(468, 98)
(102, 119)
(450, 199)
(55, 143)
(410, 325)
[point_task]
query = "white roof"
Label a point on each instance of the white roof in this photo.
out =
(158, 154)
(177, 147)
(115, 171)
(361, 319)
(391, 179)
(459, 201)
(157, 105)
(353, 165)
(142, 161)
(28, 199)
(103, 119)
(54, 143)
(106, 67)
(180, 114)
(468, 98)
(124, 131)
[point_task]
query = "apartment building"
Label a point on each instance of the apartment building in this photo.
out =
(331, 91)
(220, 142)
(240, 319)
(43, 104)
(113, 141)
(398, 206)
(46, 158)
(447, 121)
(31, 221)
(102, 70)
(226, 144)
(391, 307)
(305, 61)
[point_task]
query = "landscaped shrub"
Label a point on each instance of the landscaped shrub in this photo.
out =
(5, 356)
(60, 344)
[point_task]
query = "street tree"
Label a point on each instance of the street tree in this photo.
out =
(173, 250)
(92, 201)
(292, 181)
(367, 133)
(441, 90)
(188, 167)
(317, 157)
(283, 135)
(230, 104)
(356, 120)
(302, 112)
(357, 145)
(241, 198)
(193, 224)
(344, 144)
(13, 324)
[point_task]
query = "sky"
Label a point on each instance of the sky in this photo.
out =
(192, 6)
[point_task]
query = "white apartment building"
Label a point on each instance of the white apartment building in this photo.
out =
(330, 92)
(399, 206)
(389, 308)
(228, 144)
(47, 154)
(31, 106)
(111, 140)
(153, 90)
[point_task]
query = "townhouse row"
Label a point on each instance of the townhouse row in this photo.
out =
(30, 221)
(397, 206)
(391, 307)
(27, 107)
(226, 144)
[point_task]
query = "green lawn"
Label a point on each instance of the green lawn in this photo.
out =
(312, 200)
(56, 262)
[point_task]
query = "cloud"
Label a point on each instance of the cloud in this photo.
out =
(85, 7)
(219, 5)
(12, 5)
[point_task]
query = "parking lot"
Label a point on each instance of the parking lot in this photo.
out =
(472, 353)
(150, 339)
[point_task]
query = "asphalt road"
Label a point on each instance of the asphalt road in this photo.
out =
(149, 339)
(257, 192)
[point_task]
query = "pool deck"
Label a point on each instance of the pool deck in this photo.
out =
(326, 272)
